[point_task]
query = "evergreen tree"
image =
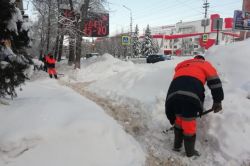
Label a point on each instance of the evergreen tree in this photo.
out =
(136, 44)
(148, 46)
(13, 57)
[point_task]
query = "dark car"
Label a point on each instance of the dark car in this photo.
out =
(156, 58)
(91, 54)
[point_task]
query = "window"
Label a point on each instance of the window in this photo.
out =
(196, 46)
(196, 39)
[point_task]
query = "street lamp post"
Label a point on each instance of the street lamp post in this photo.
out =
(131, 29)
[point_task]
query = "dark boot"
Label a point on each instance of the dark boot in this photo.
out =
(178, 139)
(50, 75)
(55, 75)
(189, 143)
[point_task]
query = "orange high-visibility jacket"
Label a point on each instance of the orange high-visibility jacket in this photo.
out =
(51, 62)
(188, 83)
(197, 68)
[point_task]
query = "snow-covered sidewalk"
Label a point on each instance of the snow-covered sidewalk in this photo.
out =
(51, 125)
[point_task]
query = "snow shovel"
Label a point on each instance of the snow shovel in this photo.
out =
(206, 112)
(203, 113)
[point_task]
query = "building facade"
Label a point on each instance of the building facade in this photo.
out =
(189, 38)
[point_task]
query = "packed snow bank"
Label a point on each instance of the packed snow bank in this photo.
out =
(52, 125)
(125, 78)
(233, 62)
(232, 127)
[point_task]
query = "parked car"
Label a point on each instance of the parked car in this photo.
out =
(156, 58)
(91, 54)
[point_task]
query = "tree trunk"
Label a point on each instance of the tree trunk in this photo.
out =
(58, 30)
(60, 49)
(49, 24)
(41, 43)
(71, 41)
(84, 12)
(71, 49)
(56, 45)
(42, 40)
(78, 51)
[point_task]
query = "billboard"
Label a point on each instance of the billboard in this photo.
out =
(96, 25)
(241, 20)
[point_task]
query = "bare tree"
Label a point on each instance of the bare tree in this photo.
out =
(48, 10)
(55, 26)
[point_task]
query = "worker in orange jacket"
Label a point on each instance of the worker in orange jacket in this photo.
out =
(185, 97)
(51, 62)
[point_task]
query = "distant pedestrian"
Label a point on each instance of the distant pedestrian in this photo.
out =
(45, 59)
(185, 97)
(38, 64)
(51, 62)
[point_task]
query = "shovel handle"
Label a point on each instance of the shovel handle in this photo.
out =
(207, 111)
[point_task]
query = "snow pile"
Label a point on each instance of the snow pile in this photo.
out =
(26, 26)
(60, 128)
(17, 16)
(232, 61)
(232, 127)
(93, 68)
(37, 62)
(139, 81)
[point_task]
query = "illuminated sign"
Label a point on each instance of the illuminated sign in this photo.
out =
(96, 25)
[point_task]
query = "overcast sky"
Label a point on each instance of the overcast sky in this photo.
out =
(165, 12)
(161, 12)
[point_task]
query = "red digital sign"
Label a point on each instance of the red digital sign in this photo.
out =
(96, 25)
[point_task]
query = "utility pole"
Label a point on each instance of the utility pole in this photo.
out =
(131, 30)
(217, 34)
(205, 6)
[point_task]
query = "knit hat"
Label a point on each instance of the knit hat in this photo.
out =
(199, 57)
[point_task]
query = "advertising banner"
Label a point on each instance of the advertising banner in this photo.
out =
(241, 20)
